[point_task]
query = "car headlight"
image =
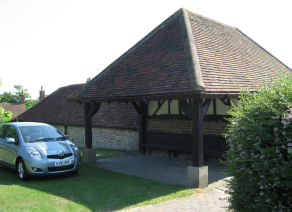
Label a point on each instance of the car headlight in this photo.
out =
(33, 152)
(75, 148)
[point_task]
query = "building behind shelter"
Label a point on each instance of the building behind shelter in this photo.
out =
(115, 126)
(15, 108)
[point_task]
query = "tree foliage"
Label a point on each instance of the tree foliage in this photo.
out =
(5, 116)
(8, 97)
(260, 148)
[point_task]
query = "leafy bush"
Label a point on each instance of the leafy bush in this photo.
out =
(5, 116)
(260, 147)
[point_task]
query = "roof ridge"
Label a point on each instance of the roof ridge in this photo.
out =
(193, 64)
(170, 18)
(66, 86)
(210, 19)
(11, 103)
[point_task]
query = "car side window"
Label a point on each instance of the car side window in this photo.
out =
(2, 130)
(11, 133)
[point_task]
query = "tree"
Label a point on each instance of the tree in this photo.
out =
(5, 116)
(30, 102)
(260, 148)
(8, 97)
(20, 89)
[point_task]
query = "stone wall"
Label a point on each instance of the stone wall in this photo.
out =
(215, 128)
(61, 128)
(104, 137)
(185, 126)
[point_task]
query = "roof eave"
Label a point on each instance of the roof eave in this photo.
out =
(192, 95)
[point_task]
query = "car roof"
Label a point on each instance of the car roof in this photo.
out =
(22, 124)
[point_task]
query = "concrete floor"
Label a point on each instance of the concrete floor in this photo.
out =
(159, 167)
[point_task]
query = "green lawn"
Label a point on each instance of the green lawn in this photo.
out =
(92, 189)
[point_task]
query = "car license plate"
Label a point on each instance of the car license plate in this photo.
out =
(62, 163)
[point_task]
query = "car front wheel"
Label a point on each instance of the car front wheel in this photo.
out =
(21, 169)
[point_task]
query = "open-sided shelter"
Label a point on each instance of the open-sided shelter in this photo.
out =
(188, 68)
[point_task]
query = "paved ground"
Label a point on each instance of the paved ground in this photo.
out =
(172, 171)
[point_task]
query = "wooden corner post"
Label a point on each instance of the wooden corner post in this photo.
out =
(90, 109)
(198, 132)
(88, 126)
(142, 125)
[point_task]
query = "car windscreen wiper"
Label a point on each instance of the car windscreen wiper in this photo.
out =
(41, 139)
(61, 138)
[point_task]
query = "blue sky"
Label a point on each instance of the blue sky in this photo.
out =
(54, 43)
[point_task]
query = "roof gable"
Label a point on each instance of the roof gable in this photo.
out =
(187, 53)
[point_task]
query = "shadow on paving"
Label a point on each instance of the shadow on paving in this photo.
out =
(93, 188)
(159, 167)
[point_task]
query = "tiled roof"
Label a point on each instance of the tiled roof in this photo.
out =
(55, 109)
(15, 109)
(228, 58)
(185, 54)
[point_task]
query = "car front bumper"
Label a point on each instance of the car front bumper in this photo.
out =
(45, 166)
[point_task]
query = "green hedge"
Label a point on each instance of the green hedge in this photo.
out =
(260, 146)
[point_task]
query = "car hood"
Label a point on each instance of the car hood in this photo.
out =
(52, 147)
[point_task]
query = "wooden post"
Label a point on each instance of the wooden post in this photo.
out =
(142, 125)
(88, 126)
(197, 132)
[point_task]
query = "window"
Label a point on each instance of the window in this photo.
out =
(11, 133)
(2, 130)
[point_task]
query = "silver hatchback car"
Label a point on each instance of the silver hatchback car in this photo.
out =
(36, 149)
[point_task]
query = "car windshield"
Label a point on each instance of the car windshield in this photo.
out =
(40, 134)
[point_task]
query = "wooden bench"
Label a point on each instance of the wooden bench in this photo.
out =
(182, 142)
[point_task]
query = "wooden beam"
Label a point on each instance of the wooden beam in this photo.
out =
(94, 109)
(88, 126)
(214, 107)
(192, 95)
(142, 125)
(206, 106)
(223, 100)
(186, 108)
(197, 133)
(146, 101)
(137, 108)
(159, 106)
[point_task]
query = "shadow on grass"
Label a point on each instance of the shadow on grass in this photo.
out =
(91, 189)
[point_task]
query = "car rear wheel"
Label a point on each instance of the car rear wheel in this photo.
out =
(21, 169)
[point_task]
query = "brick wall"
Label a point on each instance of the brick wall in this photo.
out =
(185, 126)
(104, 137)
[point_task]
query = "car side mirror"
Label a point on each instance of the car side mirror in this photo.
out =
(10, 140)
(67, 136)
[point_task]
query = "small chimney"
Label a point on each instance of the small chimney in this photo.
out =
(22, 98)
(42, 94)
(88, 79)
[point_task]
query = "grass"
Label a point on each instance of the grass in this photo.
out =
(92, 189)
